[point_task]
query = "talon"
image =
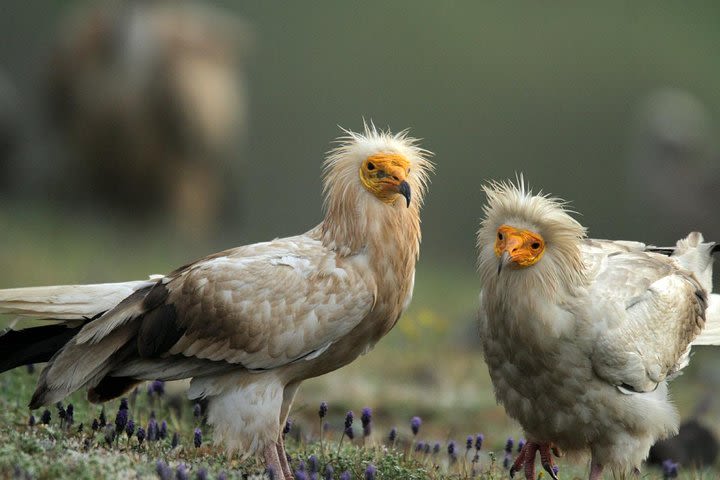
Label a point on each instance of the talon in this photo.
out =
(549, 469)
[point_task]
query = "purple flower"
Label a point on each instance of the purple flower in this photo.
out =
(479, 441)
(197, 438)
(509, 445)
(420, 446)
(103, 420)
(427, 448)
(345, 475)
(140, 435)
(175, 440)
(152, 430)
(452, 452)
(329, 471)
(521, 444)
(415, 423)
(366, 418)
(163, 470)
(162, 432)
(670, 469)
(370, 472)
(157, 387)
(269, 472)
(393, 435)
(45, 418)
(121, 420)
(95, 425)
(197, 410)
(555, 469)
(181, 472)
(313, 464)
(80, 428)
(202, 474)
(469, 443)
(62, 414)
(436, 448)
(300, 475)
(323, 410)
(350, 432)
(349, 417)
(288, 426)
(31, 421)
(123, 404)
(130, 428)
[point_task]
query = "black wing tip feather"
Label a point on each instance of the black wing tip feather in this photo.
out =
(33, 345)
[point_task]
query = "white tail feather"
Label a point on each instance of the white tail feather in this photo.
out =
(67, 302)
(711, 333)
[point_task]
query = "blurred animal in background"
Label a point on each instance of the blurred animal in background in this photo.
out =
(150, 99)
(674, 166)
(249, 324)
(581, 336)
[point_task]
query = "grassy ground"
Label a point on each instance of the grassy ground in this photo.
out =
(428, 366)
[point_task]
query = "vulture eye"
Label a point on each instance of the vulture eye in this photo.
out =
(500, 236)
(370, 166)
(535, 245)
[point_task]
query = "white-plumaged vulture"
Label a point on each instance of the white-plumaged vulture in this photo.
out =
(250, 323)
(581, 336)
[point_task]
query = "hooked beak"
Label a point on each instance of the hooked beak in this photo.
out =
(503, 261)
(404, 190)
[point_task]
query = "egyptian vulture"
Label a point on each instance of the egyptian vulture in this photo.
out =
(250, 323)
(581, 336)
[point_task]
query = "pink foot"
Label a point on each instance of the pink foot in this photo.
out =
(526, 460)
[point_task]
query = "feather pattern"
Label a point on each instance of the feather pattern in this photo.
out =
(581, 344)
(250, 323)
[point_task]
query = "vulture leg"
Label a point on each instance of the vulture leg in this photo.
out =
(596, 470)
(526, 460)
(285, 466)
(272, 461)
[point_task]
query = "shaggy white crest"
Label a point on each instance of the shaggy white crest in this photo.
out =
(515, 204)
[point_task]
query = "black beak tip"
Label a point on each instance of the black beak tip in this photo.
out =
(405, 192)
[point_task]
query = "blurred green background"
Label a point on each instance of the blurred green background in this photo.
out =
(610, 105)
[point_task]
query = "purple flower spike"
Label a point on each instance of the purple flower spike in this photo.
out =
(130, 428)
(197, 438)
(175, 440)
(288, 426)
(202, 474)
(350, 432)
(300, 475)
(45, 418)
(181, 472)
(103, 419)
(509, 445)
(420, 446)
(157, 387)
(31, 422)
(140, 435)
(345, 475)
(479, 441)
(323, 410)
(370, 472)
(670, 469)
(555, 469)
(329, 471)
(415, 423)
(152, 430)
(163, 470)
(436, 448)
(452, 451)
(521, 444)
(197, 410)
(269, 472)
(469, 442)
(95, 425)
(393, 435)
(123, 404)
(162, 432)
(349, 417)
(366, 419)
(313, 464)
(121, 420)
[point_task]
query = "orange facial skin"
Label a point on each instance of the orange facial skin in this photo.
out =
(385, 176)
(518, 248)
